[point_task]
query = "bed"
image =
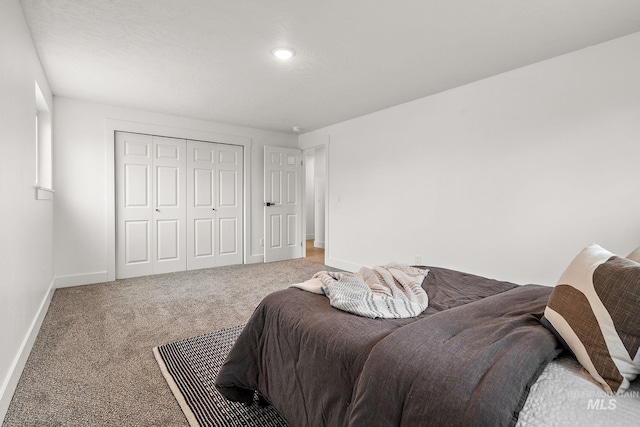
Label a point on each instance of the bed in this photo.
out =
(478, 355)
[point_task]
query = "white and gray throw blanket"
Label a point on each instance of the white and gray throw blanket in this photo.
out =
(393, 291)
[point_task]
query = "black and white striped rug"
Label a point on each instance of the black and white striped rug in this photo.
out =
(190, 367)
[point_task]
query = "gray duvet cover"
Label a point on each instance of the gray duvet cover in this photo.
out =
(467, 360)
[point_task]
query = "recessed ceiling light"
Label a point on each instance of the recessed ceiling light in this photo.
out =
(283, 53)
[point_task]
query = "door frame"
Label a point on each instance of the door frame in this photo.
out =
(114, 125)
(324, 142)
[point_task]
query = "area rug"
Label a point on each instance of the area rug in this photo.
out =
(190, 367)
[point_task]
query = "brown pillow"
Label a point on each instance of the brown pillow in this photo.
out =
(595, 308)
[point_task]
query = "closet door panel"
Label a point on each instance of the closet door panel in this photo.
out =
(214, 204)
(168, 238)
(137, 242)
(229, 207)
(227, 243)
(136, 186)
(134, 197)
(203, 188)
(167, 179)
(169, 215)
(201, 205)
(203, 238)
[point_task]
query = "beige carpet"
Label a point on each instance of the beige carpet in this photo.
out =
(92, 362)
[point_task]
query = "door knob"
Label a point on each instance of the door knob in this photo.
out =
(157, 210)
(269, 204)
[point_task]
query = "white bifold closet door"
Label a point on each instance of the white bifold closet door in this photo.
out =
(151, 205)
(179, 204)
(214, 204)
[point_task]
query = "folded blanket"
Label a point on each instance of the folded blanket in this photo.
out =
(392, 291)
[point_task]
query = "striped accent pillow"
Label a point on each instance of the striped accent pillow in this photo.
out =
(595, 308)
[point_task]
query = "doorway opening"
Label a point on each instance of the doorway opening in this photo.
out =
(315, 167)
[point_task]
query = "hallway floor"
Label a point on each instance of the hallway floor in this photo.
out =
(314, 254)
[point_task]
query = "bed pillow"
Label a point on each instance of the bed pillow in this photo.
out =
(634, 256)
(595, 308)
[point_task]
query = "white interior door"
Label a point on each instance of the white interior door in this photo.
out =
(151, 207)
(134, 164)
(229, 206)
(200, 205)
(214, 204)
(169, 216)
(283, 203)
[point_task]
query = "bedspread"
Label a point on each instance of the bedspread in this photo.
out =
(470, 365)
(321, 366)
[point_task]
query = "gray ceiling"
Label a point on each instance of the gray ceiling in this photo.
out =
(211, 59)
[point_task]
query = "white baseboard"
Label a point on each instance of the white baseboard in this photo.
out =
(318, 244)
(311, 236)
(81, 279)
(15, 371)
(342, 265)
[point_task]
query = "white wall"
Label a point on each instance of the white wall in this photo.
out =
(83, 156)
(26, 259)
(508, 177)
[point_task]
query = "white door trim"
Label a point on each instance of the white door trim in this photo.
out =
(113, 125)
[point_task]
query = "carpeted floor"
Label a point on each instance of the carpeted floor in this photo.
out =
(92, 362)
